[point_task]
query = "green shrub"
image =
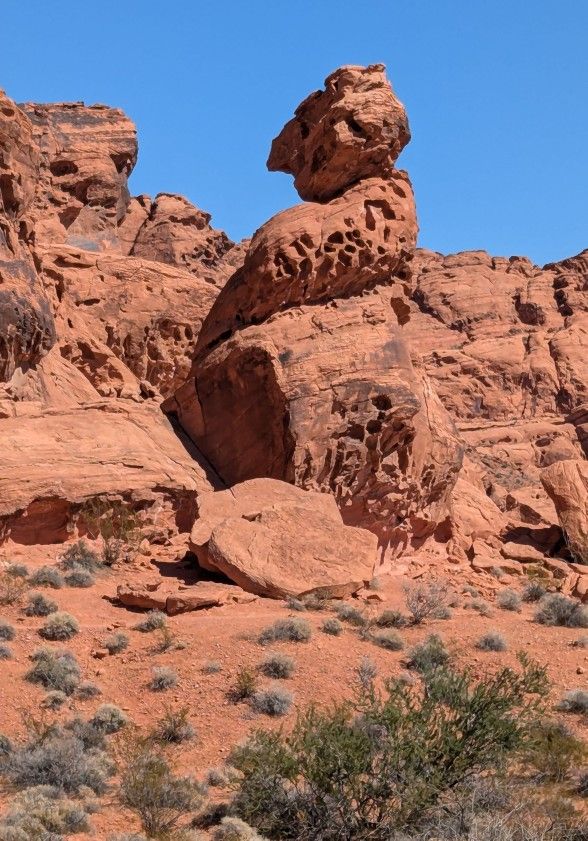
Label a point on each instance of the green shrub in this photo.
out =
(278, 666)
(7, 632)
(351, 614)
(47, 576)
(392, 619)
(80, 578)
(116, 643)
(275, 701)
(557, 609)
(154, 620)
(492, 641)
(54, 670)
(40, 605)
(59, 626)
(429, 655)
(163, 678)
(366, 770)
(292, 629)
(426, 600)
(159, 797)
(245, 685)
(80, 556)
(175, 727)
(553, 750)
(509, 599)
(388, 639)
(109, 718)
(332, 627)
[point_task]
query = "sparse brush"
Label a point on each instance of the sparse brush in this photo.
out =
(108, 719)
(163, 678)
(278, 666)
(245, 685)
(17, 570)
(295, 604)
(482, 607)
(59, 626)
(472, 591)
(497, 572)
(366, 672)
(153, 621)
(80, 578)
(574, 701)
(211, 667)
(388, 639)
(47, 576)
(166, 640)
(286, 630)
(175, 727)
(54, 700)
(234, 829)
(12, 588)
(40, 605)
(5, 652)
(332, 627)
(41, 814)
(425, 600)
(352, 615)
(7, 632)
(80, 556)
(392, 619)
(315, 601)
(116, 642)
(275, 701)
(557, 609)
(509, 600)
(87, 689)
(428, 655)
(581, 642)
(5, 745)
(533, 592)
(54, 670)
(492, 641)
(217, 778)
(553, 749)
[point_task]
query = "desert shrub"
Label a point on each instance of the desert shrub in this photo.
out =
(429, 655)
(472, 591)
(388, 639)
(278, 666)
(80, 578)
(6, 631)
(54, 700)
(54, 670)
(159, 797)
(87, 689)
(553, 749)
(581, 642)
(508, 599)
(332, 627)
(5, 652)
(574, 701)
(57, 757)
(480, 606)
(89, 735)
(533, 591)
(163, 678)
(109, 718)
(275, 701)
(497, 572)
(153, 621)
(59, 626)
(234, 829)
(293, 629)
(41, 814)
(17, 570)
(492, 641)
(40, 605)
(365, 673)
(392, 619)
(47, 576)
(245, 685)
(116, 643)
(557, 609)
(118, 526)
(217, 777)
(175, 727)
(315, 601)
(12, 588)
(295, 604)
(166, 640)
(211, 667)
(128, 836)
(370, 768)
(80, 556)
(351, 614)
(5, 745)
(425, 600)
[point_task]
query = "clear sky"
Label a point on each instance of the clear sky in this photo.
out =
(496, 92)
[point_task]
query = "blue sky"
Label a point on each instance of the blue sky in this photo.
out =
(495, 91)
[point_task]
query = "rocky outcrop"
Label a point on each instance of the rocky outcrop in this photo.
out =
(307, 340)
(566, 482)
(276, 540)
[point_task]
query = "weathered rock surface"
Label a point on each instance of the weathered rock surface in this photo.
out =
(276, 540)
(173, 599)
(566, 482)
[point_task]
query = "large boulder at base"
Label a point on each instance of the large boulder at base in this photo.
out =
(566, 482)
(353, 129)
(276, 540)
(54, 461)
